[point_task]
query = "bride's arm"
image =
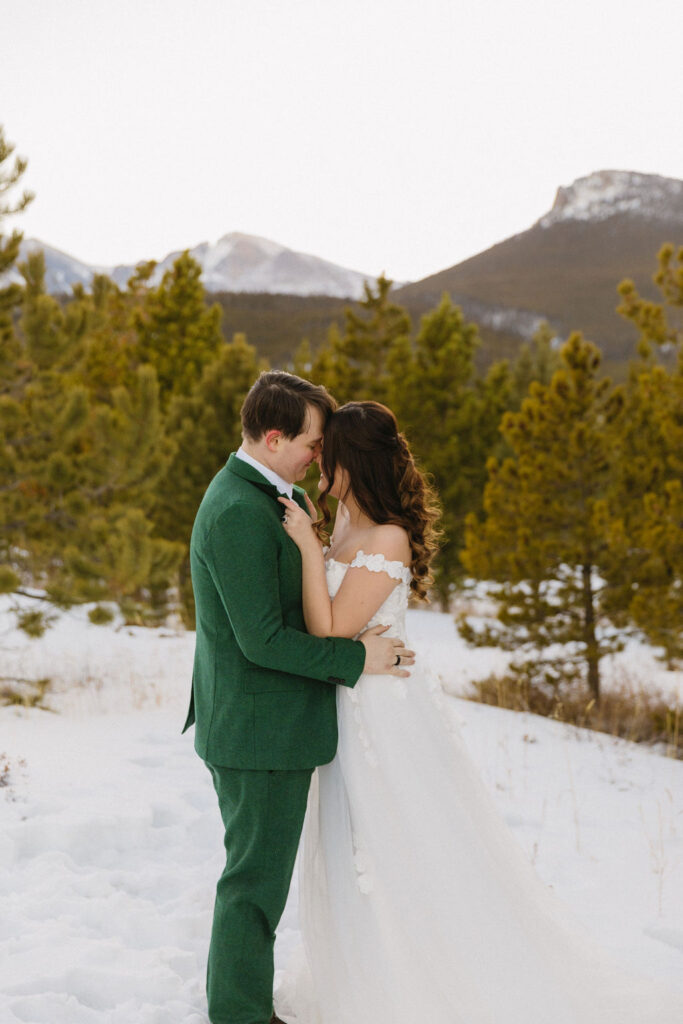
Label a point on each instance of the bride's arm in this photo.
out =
(315, 598)
(361, 593)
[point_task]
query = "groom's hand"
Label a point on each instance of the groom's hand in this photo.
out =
(381, 653)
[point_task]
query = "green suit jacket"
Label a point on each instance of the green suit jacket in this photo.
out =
(263, 689)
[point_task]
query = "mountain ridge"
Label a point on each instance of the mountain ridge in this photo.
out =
(606, 193)
(235, 262)
(563, 269)
(566, 267)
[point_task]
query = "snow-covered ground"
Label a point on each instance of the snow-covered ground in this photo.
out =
(110, 840)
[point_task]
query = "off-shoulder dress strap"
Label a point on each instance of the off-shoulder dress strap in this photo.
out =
(378, 563)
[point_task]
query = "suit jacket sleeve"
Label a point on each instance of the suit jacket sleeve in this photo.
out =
(243, 561)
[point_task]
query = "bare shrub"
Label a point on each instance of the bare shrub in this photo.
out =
(626, 709)
(28, 693)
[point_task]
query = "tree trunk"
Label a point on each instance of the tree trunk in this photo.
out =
(592, 655)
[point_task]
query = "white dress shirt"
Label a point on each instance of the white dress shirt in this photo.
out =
(282, 485)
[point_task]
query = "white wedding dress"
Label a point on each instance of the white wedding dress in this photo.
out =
(417, 904)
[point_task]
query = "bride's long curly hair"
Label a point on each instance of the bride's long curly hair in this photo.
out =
(364, 439)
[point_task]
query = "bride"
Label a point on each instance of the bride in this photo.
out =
(416, 902)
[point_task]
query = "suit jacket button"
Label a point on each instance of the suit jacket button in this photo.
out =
(335, 679)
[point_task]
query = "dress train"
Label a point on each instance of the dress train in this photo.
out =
(417, 904)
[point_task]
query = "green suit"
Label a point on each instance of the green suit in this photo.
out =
(264, 704)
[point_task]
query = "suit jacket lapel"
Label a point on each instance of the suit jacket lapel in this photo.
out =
(300, 499)
(247, 472)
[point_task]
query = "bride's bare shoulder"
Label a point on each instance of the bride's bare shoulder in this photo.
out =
(389, 540)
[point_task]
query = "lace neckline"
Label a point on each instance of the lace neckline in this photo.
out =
(375, 563)
(363, 555)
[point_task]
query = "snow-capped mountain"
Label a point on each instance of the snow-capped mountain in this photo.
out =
(605, 194)
(247, 263)
(565, 268)
(235, 263)
(61, 270)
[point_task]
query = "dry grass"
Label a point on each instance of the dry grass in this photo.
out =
(625, 709)
(8, 774)
(27, 693)
(5, 771)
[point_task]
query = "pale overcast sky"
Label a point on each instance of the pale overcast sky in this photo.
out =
(395, 135)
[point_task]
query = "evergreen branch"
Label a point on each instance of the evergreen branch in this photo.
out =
(34, 597)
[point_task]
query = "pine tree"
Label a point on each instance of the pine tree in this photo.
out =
(302, 364)
(642, 514)
(33, 411)
(115, 554)
(644, 566)
(42, 322)
(536, 360)
(657, 322)
(354, 365)
(177, 333)
(657, 604)
(203, 428)
(328, 366)
(542, 539)
(495, 396)
(10, 294)
(431, 390)
(104, 321)
(77, 475)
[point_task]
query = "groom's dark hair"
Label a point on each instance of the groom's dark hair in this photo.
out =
(279, 401)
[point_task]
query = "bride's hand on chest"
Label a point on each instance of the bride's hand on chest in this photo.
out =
(298, 524)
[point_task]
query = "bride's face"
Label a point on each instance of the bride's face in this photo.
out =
(340, 485)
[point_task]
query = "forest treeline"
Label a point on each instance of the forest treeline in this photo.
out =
(559, 489)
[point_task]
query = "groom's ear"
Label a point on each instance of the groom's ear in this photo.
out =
(272, 439)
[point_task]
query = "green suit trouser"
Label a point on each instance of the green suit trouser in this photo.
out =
(263, 814)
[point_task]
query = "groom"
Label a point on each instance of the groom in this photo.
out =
(263, 690)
